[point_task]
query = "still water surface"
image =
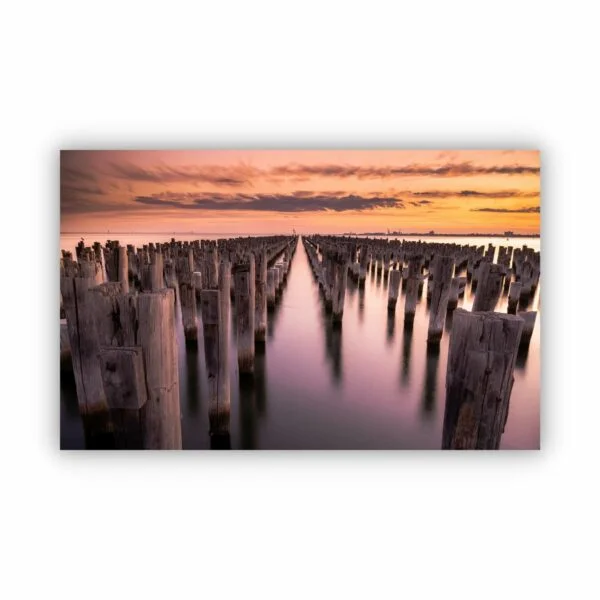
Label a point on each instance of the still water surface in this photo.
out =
(372, 385)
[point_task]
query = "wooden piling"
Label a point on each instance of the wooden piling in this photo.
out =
(394, 288)
(413, 283)
(187, 295)
(156, 335)
(479, 378)
(270, 289)
(514, 293)
(489, 287)
(260, 316)
(84, 343)
(244, 275)
(217, 368)
(123, 268)
(339, 288)
(442, 278)
(197, 285)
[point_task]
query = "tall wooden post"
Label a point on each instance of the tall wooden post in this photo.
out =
(339, 288)
(123, 269)
(412, 287)
(479, 378)
(489, 287)
(271, 289)
(442, 277)
(514, 294)
(244, 274)
(217, 360)
(156, 335)
(395, 278)
(187, 296)
(83, 341)
(260, 317)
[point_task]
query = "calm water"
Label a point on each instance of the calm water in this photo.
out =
(371, 385)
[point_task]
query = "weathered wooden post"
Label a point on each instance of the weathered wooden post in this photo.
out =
(514, 294)
(271, 289)
(412, 287)
(224, 276)
(479, 378)
(339, 288)
(244, 274)
(363, 266)
(66, 363)
(278, 279)
(394, 288)
(260, 317)
(187, 296)
(457, 285)
(489, 287)
(197, 284)
(83, 341)
(156, 335)
(442, 277)
(213, 267)
(138, 361)
(123, 376)
(216, 349)
(123, 264)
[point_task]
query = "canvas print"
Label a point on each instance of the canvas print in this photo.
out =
(300, 300)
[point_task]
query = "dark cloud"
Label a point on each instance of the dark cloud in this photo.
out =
(524, 209)
(474, 194)
(76, 183)
(464, 169)
(420, 202)
(83, 189)
(74, 175)
(284, 203)
(76, 203)
(234, 176)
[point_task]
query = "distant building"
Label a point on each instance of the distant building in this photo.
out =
(509, 233)
(432, 232)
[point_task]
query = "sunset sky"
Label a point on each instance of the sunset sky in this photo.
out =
(275, 191)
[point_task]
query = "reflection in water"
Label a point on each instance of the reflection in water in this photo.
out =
(253, 401)
(361, 304)
(448, 322)
(521, 360)
(430, 385)
(406, 346)
(333, 346)
(391, 327)
(248, 412)
(272, 318)
(191, 373)
(260, 380)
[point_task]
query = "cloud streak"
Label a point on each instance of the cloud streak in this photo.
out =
(463, 169)
(524, 209)
(245, 175)
(474, 194)
(283, 203)
(235, 176)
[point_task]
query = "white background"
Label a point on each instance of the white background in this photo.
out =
(305, 74)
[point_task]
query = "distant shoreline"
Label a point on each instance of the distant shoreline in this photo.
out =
(392, 234)
(400, 234)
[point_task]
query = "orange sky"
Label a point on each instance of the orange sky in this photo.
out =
(275, 191)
